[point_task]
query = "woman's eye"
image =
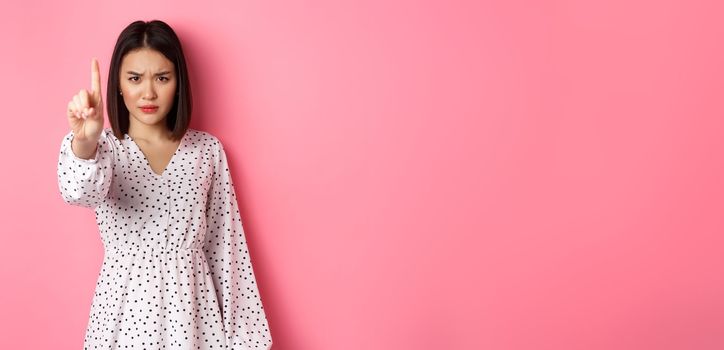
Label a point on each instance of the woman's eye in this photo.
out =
(136, 78)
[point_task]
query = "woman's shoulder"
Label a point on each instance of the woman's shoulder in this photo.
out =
(203, 138)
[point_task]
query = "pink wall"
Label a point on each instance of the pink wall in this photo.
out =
(413, 174)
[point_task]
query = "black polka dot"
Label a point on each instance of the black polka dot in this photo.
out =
(176, 273)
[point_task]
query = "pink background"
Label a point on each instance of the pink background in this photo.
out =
(412, 174)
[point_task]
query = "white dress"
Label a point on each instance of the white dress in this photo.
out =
(176, 271)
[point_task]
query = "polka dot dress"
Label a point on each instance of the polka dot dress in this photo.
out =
(176, 271)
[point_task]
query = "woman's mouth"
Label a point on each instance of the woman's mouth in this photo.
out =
(149, 109)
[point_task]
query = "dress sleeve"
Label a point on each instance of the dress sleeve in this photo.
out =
(227, 254)
(85, 182)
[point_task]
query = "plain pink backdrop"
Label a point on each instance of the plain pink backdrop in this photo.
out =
(412, 174)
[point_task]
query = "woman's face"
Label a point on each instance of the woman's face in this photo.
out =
(147, 77)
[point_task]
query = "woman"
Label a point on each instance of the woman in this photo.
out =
(176, 271)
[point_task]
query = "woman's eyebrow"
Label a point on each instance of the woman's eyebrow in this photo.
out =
(159, 73)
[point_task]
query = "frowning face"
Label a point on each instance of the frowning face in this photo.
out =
(148, 85)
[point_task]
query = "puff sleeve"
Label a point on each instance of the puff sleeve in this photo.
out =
(227, 254)
(85, 182)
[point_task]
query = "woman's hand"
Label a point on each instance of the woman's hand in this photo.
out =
(85, 110)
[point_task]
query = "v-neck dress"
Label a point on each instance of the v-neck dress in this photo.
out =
(176, 271)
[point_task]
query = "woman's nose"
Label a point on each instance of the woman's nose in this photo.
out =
(149, 92)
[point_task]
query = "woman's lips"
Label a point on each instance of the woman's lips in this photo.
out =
(149, 109)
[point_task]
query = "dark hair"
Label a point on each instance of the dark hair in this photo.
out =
(158, 36)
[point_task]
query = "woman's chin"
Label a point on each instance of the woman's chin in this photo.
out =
(149, 119)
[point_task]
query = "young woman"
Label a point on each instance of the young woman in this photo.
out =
(176, 270)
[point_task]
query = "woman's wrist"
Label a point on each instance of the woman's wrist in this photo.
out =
(84, 149)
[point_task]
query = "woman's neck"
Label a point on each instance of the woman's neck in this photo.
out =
(151, 133)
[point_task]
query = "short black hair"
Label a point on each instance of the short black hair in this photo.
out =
(155, 35)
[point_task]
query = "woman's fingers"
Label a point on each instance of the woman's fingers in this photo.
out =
(95, 82)
(87, 104)
(78, 104)
(95, 76)
(74, 111)
(71, 109)
(80, 110)
(84, 98)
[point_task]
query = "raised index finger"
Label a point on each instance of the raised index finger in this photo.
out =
(95, 77)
